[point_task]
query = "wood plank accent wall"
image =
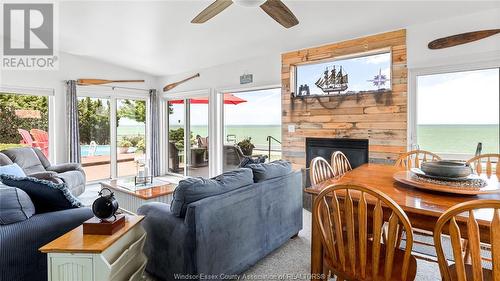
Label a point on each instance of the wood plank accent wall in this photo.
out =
(380, 118)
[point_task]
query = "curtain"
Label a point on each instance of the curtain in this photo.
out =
(154, 103)
(73, 128)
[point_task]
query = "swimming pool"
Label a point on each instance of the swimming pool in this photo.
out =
(100, 150)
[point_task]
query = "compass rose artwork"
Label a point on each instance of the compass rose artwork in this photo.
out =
(379, 80)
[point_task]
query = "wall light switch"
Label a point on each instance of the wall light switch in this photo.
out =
(291, 128)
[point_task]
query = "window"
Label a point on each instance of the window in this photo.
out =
(457, 110)
(24, 121)
(370, 72)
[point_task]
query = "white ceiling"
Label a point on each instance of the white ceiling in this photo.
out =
(157, 37)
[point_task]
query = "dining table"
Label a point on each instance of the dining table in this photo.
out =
(423, 207)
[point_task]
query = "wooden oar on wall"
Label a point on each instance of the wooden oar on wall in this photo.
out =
(462, 38)
(89, 82)
(173, 85)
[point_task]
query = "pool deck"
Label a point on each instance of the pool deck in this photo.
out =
(99, 167)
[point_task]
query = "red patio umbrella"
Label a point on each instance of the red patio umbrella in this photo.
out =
(228, 99)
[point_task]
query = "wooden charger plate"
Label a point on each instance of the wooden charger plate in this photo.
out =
(405, 177)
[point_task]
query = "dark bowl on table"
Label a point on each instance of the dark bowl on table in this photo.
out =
(446, 169)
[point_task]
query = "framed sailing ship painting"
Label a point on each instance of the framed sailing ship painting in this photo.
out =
(360, 73)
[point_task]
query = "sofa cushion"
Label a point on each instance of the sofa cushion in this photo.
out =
(194, 189)
(13, 170)
(73, 178)
(46, 196)
(26, 158)
(265, 171)
(4, 160)
(15, 205)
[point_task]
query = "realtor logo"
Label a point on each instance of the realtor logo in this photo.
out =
(28, 36)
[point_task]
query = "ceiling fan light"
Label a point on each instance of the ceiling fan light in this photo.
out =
(249, 3)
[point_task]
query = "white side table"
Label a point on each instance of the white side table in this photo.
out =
(81, 257)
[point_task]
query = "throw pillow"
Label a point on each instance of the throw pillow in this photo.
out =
(250, 160)
(46, 196)
(266, 171)
(15, 205)
(13, 170)
(194, 189)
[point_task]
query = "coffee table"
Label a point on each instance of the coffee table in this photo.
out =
(130, 197)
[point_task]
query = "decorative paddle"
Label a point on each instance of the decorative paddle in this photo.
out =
(173, 85)
(462, 38)
(103, 81)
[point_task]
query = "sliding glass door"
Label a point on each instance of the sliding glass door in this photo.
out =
(112, 135)
(130, 136)
(95, 138)
(252, 126)
(197, 154)
(188, 136)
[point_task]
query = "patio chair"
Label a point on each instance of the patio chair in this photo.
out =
(26, 138)
(233, 157)
(42, 139)
(173, 158)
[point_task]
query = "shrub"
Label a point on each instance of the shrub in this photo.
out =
(125, 143)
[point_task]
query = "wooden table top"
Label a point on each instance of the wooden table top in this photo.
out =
(77, 242)
(159, 188)
(410, 199)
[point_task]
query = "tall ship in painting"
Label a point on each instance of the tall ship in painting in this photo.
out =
(333, 81)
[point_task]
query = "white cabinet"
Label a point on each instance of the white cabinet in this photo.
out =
(121, 259)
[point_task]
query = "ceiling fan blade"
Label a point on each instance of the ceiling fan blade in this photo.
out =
(460, 39)
(212, 10)
(280, 13)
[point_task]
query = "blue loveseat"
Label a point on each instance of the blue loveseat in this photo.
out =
(23, 231)
(222, 226)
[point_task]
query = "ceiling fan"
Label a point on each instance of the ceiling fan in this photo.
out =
(274, 8)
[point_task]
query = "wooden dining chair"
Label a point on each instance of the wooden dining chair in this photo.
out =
(353, 254)
(413, 159)
(340, 164)
(491, 164)
(460, 270)
(320, 170)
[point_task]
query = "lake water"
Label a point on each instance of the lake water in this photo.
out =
(435, 138)
(458, 138)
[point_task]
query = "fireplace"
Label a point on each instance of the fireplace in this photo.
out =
(356, 150)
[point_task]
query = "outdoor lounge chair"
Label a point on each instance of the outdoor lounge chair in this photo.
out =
(42, 140)
(233, 156)
(26, 138)
(173, 158)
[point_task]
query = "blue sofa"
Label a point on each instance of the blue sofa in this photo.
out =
(23, 232)
(229, 229)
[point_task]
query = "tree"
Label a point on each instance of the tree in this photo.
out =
(132, 109)
(11, 122)
(93, 119)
